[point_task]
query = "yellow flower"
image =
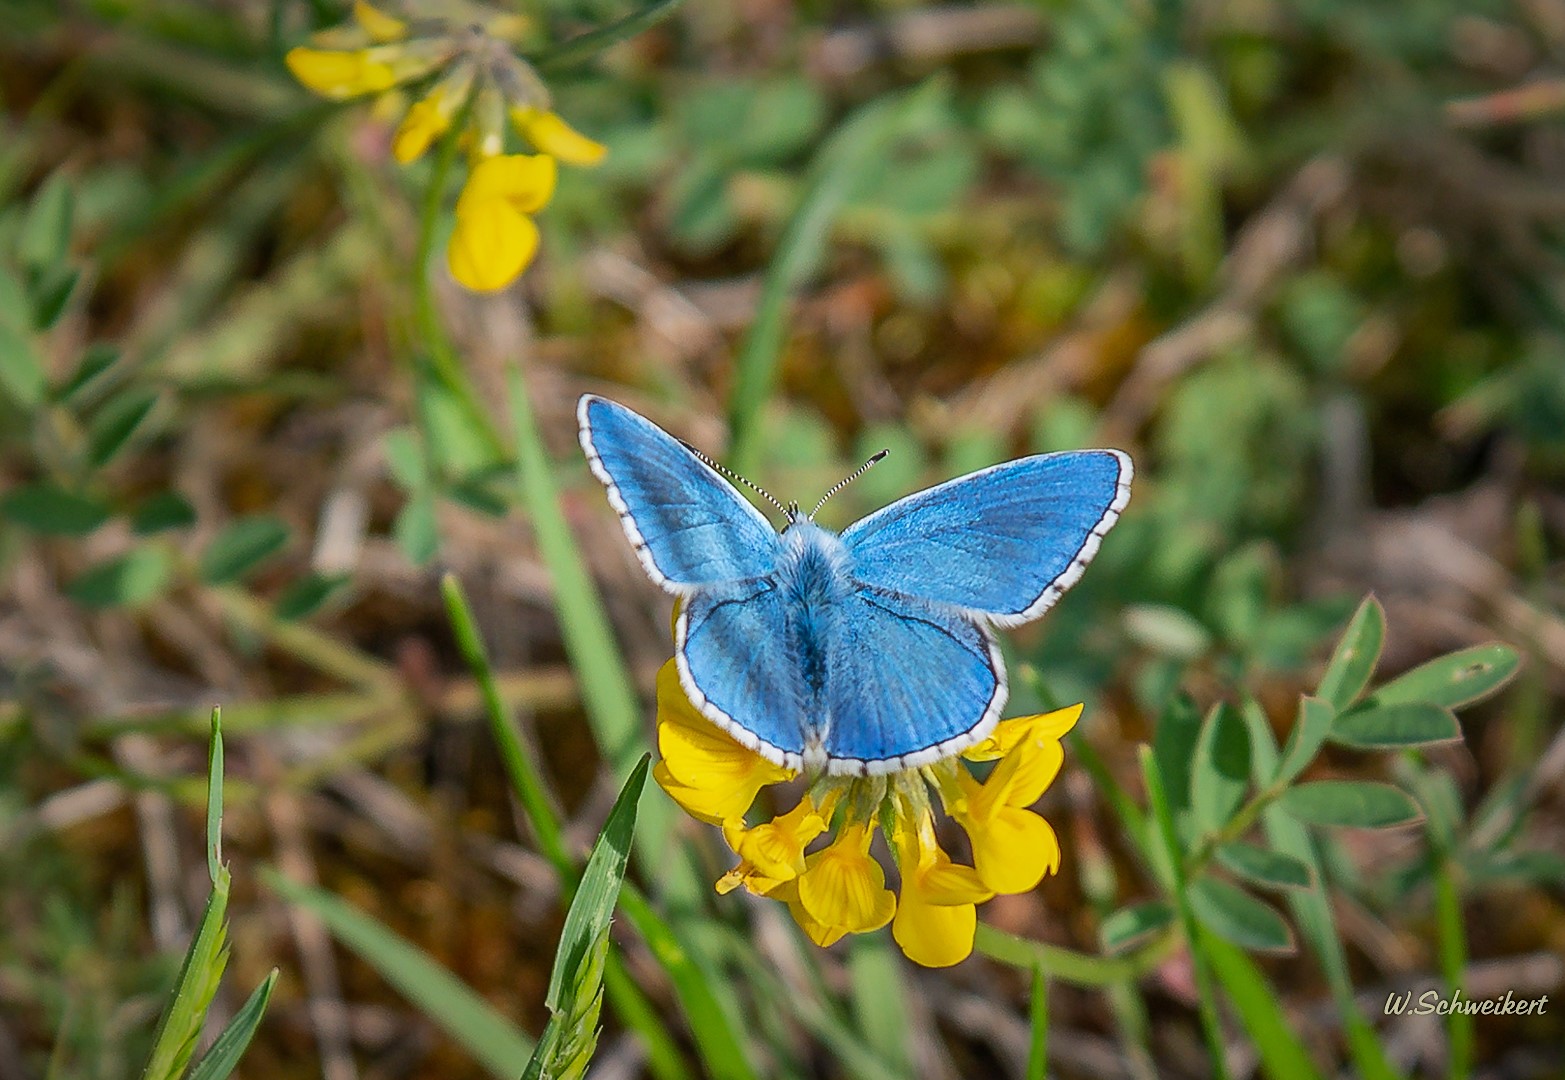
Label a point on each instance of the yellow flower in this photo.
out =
(773, 852)
(1013, 848)
(378, 24)
(843, 890)
(840, 888)
(494, 238)
(708, 774)
(553, 136)
(340, 74)
(937, 912)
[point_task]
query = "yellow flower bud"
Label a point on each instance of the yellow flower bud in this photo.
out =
(553, 136)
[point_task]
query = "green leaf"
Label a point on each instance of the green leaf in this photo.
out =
(1305, 740)
(1221, 772)
(497, 1044)
(51, 292)
(163, 511)
(584, 46)
(47, 508)
(416, 530)
(226, 1050)
(1262, 866)
(214, 799)
(1391, 727)
(1255, 1002)
(1131, 926)
(21, 368)
(88, 380)
(45, 236)
(15, 311)
(1174, 749)
(1234, 915)
(305, 596)
(1454, 680)
(130, 580)
(241, 547)
(113, 426)
(1360, 804)
(593, 907)
(1357, 653)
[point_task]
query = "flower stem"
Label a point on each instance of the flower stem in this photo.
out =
(1067, 965)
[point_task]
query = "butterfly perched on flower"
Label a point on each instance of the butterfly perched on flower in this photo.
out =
(867, 652)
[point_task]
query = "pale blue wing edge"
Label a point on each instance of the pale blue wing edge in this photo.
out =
(1055, 587)
(666, 579)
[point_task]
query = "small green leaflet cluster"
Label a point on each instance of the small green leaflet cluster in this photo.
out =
(1224, 776)
(80, 427)
(202, 971)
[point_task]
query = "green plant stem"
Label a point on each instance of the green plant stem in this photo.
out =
(585, 46)
(321, 651)
(1453, 965)
(1067, 965)
(1205, 987)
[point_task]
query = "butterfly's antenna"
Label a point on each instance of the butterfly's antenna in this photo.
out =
(845, 481)
(757, 488)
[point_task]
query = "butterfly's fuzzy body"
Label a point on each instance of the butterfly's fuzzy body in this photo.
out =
(862, 653)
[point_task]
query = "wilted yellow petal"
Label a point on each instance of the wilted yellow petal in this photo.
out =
(525, 182)
(378, 24)
(339, 74)
(491, 244)
(553, 136)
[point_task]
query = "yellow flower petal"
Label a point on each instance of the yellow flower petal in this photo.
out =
(817, 932)
(1013, 849)
(378, 24)
(340, 74)
(775, 850)
(491, 245)
(842, 887)
(425, 122)
(712, 777)
(934, 935)
(553, 136)
(1009, 733)
(523, 181)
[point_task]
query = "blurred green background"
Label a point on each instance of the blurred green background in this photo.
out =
(1305, 262)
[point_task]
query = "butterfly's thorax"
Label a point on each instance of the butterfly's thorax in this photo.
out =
(815, 575)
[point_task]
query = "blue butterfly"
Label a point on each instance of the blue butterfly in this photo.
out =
(863, 653)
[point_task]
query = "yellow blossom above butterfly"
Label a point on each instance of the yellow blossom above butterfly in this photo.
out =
(461, 60)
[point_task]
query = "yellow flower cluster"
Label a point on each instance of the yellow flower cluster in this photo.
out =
(473, 78)
(840, 888)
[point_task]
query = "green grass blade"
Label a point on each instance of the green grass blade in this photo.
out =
(1164, 818)
(1452, 937)
(585, 46)
(229, 1047)
(1038, 1022)
(496, 1043)
(214, 798)
(207, 956)
(879, 1003)
(861, 138)
(721, 1049)
(591, 910)
(1254, 1001)
(525, 779)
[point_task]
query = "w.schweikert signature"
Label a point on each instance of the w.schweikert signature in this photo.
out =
(1438, 1003)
